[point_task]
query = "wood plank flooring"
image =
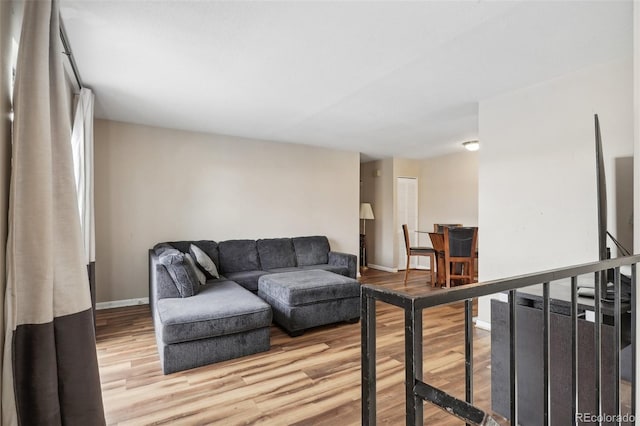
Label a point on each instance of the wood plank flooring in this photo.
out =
(313, 379)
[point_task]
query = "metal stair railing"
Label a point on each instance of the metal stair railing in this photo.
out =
(417, 391)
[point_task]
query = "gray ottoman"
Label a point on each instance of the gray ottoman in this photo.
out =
(305, 299)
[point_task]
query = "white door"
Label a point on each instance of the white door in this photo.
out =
(407, 212)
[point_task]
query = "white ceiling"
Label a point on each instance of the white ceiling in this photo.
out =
(384, 78)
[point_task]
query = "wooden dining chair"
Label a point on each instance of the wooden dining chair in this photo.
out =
(460, 254)
(418, 251)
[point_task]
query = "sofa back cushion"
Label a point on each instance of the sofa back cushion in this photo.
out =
(311, 250)
(276, 253)
(238, 256)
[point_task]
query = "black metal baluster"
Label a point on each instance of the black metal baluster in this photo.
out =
(368, 362)
(413, 363)
(513, 371)
(616, 339)
(546, 350)
(468, 349)
(598, 341)
(633, 340)
(574, 346)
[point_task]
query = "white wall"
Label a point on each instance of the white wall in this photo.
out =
(537, 207)
(154, 185)
(636, 123)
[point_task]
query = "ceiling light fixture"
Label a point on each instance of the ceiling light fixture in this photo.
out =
(471, 145)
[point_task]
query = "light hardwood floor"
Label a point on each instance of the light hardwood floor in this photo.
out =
(313, 379)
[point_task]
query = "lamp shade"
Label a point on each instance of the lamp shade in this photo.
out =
(366, 212)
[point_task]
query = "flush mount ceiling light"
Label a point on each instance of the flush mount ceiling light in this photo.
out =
(471, 145)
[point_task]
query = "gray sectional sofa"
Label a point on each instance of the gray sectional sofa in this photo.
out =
(225, 318)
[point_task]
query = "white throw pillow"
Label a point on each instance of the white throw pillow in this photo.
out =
(201, 277)
(204, 261)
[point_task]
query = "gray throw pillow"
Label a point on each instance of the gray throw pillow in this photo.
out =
(199, 274)
(162, 248)
(204, 262)
(181, 273)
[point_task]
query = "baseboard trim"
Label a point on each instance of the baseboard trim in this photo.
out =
(483, 325)
(382, 268)
(422, 268)
(122, 303)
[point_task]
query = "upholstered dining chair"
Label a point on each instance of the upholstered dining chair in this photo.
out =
(460, 253)
(439, 227)
(418, 251)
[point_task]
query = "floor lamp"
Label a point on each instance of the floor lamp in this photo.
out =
(366, 213)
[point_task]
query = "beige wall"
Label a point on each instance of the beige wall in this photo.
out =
(449, 190)
(378, 189)
(154, 185)
(404, 167)
(367, 195)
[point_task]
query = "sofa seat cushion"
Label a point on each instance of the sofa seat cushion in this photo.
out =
(308, 287)
(342, 270)
(238, 256)
(331, 268)
(247, 279)
(220, 309)
(279, 270)
(276, 253)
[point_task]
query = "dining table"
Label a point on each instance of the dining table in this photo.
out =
(437, 242)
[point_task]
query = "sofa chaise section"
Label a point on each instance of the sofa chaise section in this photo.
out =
(224, 321)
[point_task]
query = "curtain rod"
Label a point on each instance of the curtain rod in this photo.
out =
(67, 51)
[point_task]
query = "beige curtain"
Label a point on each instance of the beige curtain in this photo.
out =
(50, 373)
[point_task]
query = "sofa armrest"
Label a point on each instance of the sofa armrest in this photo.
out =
(349, 261)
